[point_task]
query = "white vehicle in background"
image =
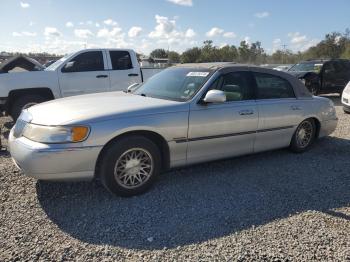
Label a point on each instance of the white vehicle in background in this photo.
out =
(282, 68)
(86, 71)
(345, 99)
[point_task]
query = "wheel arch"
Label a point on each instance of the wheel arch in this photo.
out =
(14, 94)
(155, 137)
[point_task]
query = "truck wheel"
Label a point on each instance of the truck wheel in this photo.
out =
(314, 90)
(24, 102)
(130, 166)
(303, 136)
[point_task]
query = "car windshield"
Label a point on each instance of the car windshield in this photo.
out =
(177, 84)
(312, 66)
(59, 62)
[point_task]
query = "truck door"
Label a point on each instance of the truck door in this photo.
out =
(84, 73)
(123, 71)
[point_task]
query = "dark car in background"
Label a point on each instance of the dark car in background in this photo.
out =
(323, 76)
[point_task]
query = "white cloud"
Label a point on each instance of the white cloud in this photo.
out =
(110, 22)
(31, 34)
(247, 39)
(24, 5)
(83, 33)
(229, 35)
(276, 44)
(97, 24)
(31, 23)
(190, 33)
(105, 33)
(69, 24)
(182, 2)
(164, 27)
(262, 14)
(215, 31)
(24, 33)
(299, 42)
(297, 38)
(134, 31)
(52, 31)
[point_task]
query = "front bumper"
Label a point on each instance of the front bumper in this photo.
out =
(328, 127)
(53, 162)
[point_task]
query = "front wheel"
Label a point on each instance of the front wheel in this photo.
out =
(303, 136)
(130, 165)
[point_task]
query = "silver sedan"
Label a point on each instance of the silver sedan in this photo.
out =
(181, 116)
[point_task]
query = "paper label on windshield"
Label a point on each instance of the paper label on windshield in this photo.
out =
(200, 74)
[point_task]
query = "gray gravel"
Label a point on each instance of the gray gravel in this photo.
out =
(272, 206)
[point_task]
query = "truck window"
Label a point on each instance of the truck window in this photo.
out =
(120, 60)
(85, 62)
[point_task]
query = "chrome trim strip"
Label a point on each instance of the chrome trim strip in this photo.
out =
(183, 140)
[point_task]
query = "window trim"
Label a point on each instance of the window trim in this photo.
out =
(110, 67)
(250, 77)
(277, 98)
(81, 53)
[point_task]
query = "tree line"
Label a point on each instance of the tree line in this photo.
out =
(334, 45)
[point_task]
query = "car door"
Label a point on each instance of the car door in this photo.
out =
(122, 73)
(219, 130)
(334, 76)
(85, 73)
(279, 111)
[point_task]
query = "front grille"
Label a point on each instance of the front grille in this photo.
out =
(19, 127)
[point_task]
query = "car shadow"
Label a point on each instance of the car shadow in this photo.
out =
(207, 201)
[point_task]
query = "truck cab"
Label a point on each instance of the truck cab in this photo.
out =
(83, 72)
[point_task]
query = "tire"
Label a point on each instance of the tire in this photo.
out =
(346, 111)
(128, 151)
(304, 136)
(314, 89)
(24, 102)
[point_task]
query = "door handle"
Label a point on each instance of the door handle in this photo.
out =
(295, 107)
(246, 112)
(101, 76)
(133, 74)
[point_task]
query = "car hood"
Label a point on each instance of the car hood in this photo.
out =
(99, 107)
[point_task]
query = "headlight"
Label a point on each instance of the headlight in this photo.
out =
(56, 134)
(347, 89)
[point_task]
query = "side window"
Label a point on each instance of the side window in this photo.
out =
(237, 86)
(329, 68)
(120, 60)
(272, 87)
(85, 62)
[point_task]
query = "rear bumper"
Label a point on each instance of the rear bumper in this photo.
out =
(52, 162)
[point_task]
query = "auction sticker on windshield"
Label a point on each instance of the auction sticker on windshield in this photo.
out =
(200, 74)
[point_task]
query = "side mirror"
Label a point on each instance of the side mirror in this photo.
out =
(215, 96)
(69, 66)
(132, 87)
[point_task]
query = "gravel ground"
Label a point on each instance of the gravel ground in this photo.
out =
(275, 206)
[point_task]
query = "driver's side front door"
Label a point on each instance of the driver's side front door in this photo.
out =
(219, 130)
(83, 74)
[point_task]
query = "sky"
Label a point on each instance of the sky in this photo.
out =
(65, 26)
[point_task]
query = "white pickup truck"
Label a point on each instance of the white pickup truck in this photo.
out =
(83, 72)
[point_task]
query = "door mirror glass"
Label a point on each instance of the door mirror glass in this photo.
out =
(69, 67)
(132, 87)
(215, 96)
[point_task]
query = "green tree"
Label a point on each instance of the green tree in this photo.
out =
(191, 55)
(174, 57)
(159, 53)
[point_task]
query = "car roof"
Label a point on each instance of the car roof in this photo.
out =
(214, 66)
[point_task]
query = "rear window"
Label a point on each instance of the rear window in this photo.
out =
(272, 87)
(120, 60)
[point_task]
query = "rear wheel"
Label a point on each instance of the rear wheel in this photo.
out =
(346, 111)
(130, 165)
(303, 136)
(25, 102)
